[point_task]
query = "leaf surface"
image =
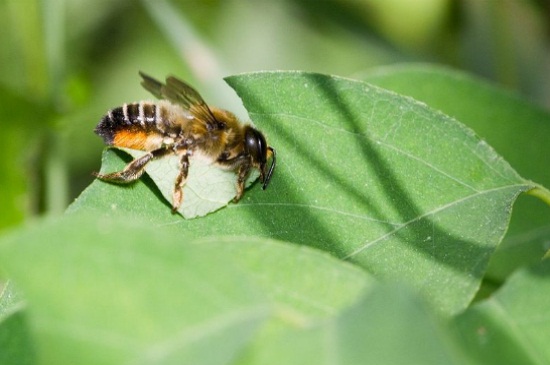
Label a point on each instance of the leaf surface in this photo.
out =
(517, 129)
(125, 292)
(389, 325)
(110, 292)
(291, 275)
(403, 190)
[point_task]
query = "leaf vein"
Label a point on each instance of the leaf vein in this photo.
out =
(421, 216)
(435, 168)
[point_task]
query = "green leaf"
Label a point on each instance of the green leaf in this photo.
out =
(370, 176)
(107, 290)
(389, 325)
(110, 292)
(10, 301)
(517, 129)
(15, 341)
(512, 327)
(208, 187)
(403, 190)
(291, 276)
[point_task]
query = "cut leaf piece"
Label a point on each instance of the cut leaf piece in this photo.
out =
(208, 187)
(513, 326)
(109, 291)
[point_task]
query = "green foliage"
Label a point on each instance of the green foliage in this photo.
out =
(387, 222)
(130, 292)
(413, 200)
(512, 326)
(15, 341)
(14, 183)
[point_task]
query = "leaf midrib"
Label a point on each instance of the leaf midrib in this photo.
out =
(432, 212)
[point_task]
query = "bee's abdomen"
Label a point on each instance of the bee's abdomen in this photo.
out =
(135, 118)
(134, 126)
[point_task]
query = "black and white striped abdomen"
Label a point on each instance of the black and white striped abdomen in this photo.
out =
(143, 116)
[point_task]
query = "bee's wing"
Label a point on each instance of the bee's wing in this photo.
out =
(179, 92)
(151, 85)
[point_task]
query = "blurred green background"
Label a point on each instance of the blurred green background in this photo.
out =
(64, 63)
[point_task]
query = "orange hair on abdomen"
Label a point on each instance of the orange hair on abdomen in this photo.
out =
(130, 139)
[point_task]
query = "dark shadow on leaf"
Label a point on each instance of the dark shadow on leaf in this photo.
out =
(424, 227)
(474, 257)
(297, 218)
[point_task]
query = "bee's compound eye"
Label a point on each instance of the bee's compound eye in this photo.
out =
(256, 146)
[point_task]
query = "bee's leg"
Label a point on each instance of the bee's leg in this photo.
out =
(242, 174)
(181, 179)
(134, 169)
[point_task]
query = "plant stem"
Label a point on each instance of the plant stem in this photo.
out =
(540, 192)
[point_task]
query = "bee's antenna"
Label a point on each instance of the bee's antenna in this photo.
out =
(271, 168)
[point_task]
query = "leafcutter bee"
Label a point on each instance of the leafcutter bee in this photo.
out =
(181, 123)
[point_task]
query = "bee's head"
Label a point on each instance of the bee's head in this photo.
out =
(260, 152)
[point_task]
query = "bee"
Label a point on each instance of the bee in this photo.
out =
(181, 123)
